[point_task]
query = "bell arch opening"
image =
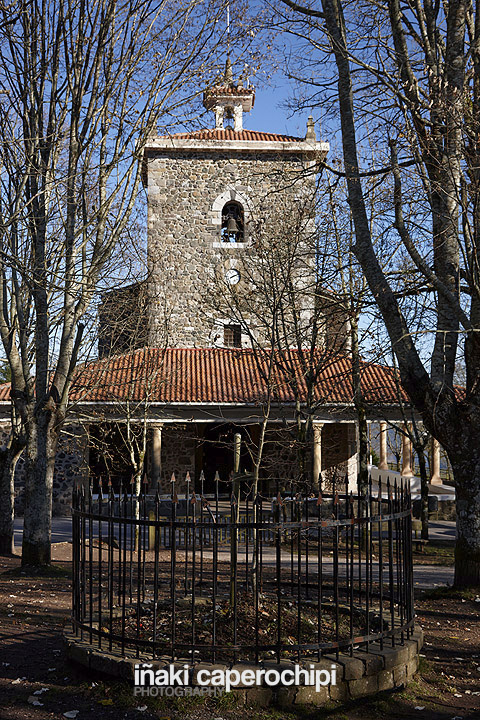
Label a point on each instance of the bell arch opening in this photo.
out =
(233, 222)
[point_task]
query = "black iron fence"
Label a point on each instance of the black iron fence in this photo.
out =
(241, 577)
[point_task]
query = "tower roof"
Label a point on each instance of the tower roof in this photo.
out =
(230, 134)
(229, 99)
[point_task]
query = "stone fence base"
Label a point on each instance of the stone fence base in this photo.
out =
(363, 674)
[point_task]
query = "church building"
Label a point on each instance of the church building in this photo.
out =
(185, 355)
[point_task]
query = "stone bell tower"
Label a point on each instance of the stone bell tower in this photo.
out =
(206, 191)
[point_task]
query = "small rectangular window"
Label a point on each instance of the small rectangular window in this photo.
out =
(232, 336)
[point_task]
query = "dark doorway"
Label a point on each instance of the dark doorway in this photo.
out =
(107, 458)
(217, 451)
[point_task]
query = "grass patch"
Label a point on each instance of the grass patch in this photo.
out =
(449, 592)
(441, 551)
(227, 701)
(423, 665)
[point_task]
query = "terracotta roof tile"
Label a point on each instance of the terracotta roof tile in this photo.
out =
(5, 392)
(219, 375)
(230, 134)
(228, 90)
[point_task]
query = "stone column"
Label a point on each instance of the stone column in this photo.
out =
(435, 478)
(219, 112)
(156, 458)
(238, 118)
(317, 451)
(82, 444)
(383, 464)
(406, 457)
(352, 461)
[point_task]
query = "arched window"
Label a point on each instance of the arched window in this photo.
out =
(233, 223)
(228, 118)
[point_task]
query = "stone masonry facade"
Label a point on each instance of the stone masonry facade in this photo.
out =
(187, 258)
(178, 455)
(279, 462)
(71, 465)
(366, 672)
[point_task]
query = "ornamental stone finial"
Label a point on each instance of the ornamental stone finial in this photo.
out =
(229, 99)
(228, 76)
(310, 130)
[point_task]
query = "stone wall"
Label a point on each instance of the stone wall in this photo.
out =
(71, 464)
(180, 441)
(339, 451)
(187, 260)
(280, 460)
(4, 434)
(178, 455)
(364, 673)
(122, 320)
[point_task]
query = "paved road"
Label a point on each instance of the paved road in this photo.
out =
(62, 530)
(431, 576)
(442, 530)
(425, 576)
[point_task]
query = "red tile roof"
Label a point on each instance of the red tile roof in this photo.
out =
(230, 134)
(4, 392)
(219, 375)
(228, 90)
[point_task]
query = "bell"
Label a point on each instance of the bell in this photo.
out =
(232, 226)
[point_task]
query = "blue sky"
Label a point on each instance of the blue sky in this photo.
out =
(268, 114)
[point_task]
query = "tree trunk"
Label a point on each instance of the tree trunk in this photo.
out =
(423, 492)
(362, 451)
(7, 496)
(237, 448)
(39, 468)
(433, 397)
(359, 402)
(303, 464)
(137, 489)
(466, 472)
(257, 461)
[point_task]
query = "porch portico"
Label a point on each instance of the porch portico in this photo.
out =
(191, 402)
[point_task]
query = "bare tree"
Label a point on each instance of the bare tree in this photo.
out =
(419, 438)
(296, 327)
(423, 62)
(352, 291)
(82, 85)
(394, 445)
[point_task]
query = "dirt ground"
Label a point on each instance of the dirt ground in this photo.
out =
(33, 612)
